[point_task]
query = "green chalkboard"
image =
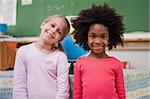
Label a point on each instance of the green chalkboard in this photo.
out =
(29, 17)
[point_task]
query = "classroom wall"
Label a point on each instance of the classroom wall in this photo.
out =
(149, 15)
(138, 59)
(29, 17)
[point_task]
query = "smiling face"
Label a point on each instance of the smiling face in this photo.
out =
(53, 30)
(98, 39)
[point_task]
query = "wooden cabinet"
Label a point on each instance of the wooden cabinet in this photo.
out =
(7, 54)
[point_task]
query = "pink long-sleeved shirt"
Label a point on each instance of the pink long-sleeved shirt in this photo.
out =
(98, 79)
(40, 76)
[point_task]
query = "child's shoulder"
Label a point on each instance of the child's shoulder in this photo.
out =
(115, 60)
(26, 47)
(60, 53)
(82, 59)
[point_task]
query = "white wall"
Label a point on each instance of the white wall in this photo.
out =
(138, 59)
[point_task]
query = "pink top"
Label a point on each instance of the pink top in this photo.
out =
(98, 79)
(40, 76)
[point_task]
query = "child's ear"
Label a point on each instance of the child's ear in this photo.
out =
(56, 45)
(42, 25)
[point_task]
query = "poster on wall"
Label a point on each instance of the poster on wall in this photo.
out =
(26, 2)
(8, 12)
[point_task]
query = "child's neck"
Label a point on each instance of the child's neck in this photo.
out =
(94, 55)
(45, 48)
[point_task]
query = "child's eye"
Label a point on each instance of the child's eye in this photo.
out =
(59, 32)
(104, 36)
(91, 36)
(52, 25)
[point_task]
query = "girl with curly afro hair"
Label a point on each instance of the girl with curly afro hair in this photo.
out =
(98, 75)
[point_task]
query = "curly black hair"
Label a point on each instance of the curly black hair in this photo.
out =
(102, 14)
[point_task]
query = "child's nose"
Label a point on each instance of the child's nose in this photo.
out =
(54, 30)
(97, 39)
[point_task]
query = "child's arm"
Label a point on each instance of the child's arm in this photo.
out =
(77, 92)
(19, 79)
(62, 78)
(120, 82)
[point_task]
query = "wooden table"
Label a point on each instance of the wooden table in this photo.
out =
(7, 54)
